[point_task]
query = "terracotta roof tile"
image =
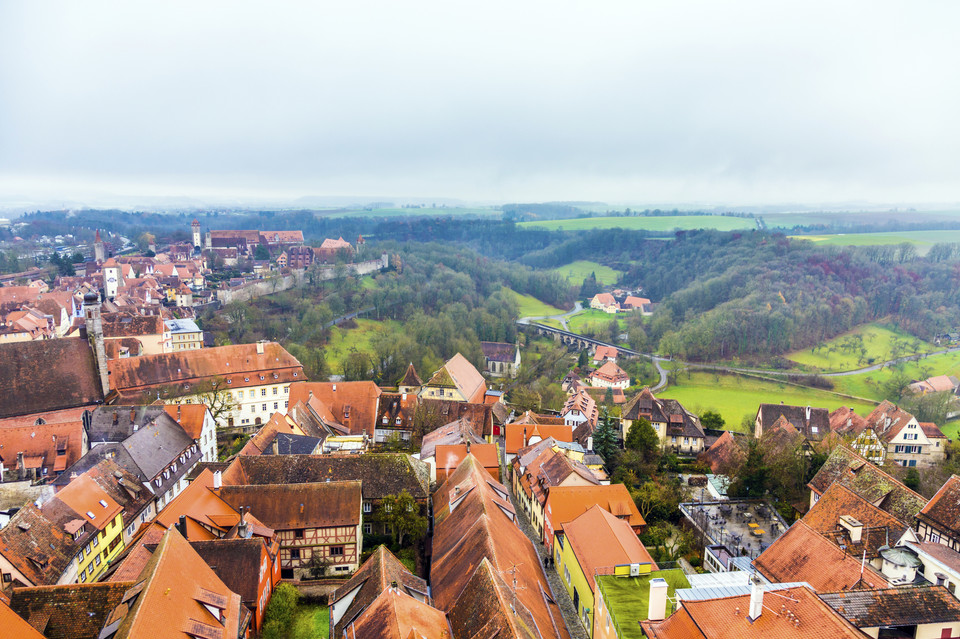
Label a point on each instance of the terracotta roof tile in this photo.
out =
(499, 351)
(381, 474)
(76, 611)
(566, 503)
(241, 365)
(172, 600)
(189, 416)
(727, 618)
(352, 404)
(725, 453)
(15, 625)
(870, 482)
(396, 615)
(812, 421)
(846, 422)
(879, 528)
(47, 375)
(515, 434)
(459, 373)
(895, 606)
(803, 554)
(601, 540)
(57, 445)
(888, 419)
(236, 562)
(943, 509)
(307, 505)
(376, 574)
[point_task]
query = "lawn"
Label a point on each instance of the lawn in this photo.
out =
(343, 340)
(871, 384)
(593, 318)
(311, 621)
(922, 240)
(551, 323)
(665, 223)
(580, 270)
(531, 306)
(733, 396)
(628, 598)
(833, 356)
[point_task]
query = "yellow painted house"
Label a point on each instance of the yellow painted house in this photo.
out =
(99, 522)
(596, 543)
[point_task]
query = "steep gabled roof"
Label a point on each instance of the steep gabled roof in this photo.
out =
(812, 421)
(888, 419)
(381, 474)
(600, 540)
(487, 607)
(376, 575)
(46, 375)
(515, 440)
(724, 454)
(307, 505)
(236, 562)
(351, 404)
(499, 351)
(77, 611)
(846, 422)
(868, 481)
(803, 554)
(476, 521)
(14, 624)
(459, 373)
(879, 528)
(178, 591)
(396, 615)
(943, 509)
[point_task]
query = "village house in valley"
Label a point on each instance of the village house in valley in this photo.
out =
(500, 359)
(677, 428)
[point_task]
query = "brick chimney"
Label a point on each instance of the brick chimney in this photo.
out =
(91, 311)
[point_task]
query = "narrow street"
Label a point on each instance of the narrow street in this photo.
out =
(557, 586)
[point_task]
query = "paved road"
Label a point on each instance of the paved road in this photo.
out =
(560, 318)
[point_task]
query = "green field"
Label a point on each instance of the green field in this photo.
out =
(735, 396)
(870, 385)
(629, 597)
(343, 340)
(401, 212)
(580, 270)
(666, 223)
(311, 621)
(592, 318)
(878, 339)
(922, 240)
(551, 323)
(531, 306)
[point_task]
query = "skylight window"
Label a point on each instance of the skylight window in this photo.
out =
(103, 503)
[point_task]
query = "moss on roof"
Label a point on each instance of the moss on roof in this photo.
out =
(628, 598)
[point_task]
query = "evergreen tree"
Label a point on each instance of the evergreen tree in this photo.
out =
(605, 436)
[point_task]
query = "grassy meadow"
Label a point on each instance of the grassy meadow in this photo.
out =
(591, 318)
(733, 397)
(665, 224)
(838, 354)
(922, 240)
(870, 385)
(342, 340)
(576, 272)
(531, 306)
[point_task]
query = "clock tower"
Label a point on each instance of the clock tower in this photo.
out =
(111, 278)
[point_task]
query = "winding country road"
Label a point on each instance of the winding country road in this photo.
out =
(560, 318)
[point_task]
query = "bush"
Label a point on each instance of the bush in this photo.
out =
(280, 611)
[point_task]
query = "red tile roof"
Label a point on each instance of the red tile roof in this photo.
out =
(518, 434)
(189, 416)
(846, 422)
(803, 554)
(605, 352)
(725, 453)
(459, 373)
(76, 611)
(727, 618)
(55, 445)
(475, 521)
(601, 540)
(47, 375)
(566, 503)
(176, 598)
(397, 615)
(609, 372)
(15, 625)
(310, 505)
(943, 509)
(352, 404)
(376, 574)
(888, 419)
(239, 366)
(449, 456)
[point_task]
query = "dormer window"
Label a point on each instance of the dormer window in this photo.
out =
(346, 412)
(399, 420)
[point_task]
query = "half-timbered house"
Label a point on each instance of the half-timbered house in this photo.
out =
(317, 523)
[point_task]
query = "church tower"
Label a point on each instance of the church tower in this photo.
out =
(94, 324)
(99, 251)
(196, 233)
(111, 278)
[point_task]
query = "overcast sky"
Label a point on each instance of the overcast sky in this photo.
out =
(634, 101)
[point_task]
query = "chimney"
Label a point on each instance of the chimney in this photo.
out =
(243, 530)
(91, 311)
(21, 471)
(178, 413)
(852, 526)
(301, 509)
(468, 446)
(657, 610)
(217, 480)
(182, 526)
(133, 415)
(756, 598)
(260, 348)
(276, 446)
(116, 418)
(590, 444)
(808, 414)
